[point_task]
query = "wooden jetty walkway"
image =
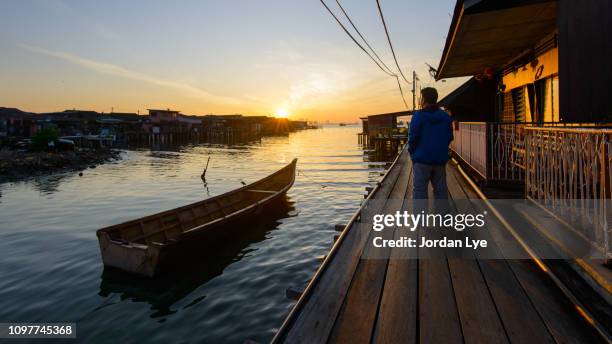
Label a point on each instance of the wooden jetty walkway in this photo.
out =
(437, 300)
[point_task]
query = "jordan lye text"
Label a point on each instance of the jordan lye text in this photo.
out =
(432, 221)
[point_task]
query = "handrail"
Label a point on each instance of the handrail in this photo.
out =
(562, 124)
(573, 130)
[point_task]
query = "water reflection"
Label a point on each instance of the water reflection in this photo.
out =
(204, 184)
(165, 155)
(49, 184)
(195, 269)
(248, 277)
(179, 145)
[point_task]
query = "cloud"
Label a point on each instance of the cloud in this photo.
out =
(118, 71)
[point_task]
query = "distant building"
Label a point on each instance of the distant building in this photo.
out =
(14, 122)
(122, 125)
(189, 121)
(299, 125)
(382, 124)
(132, 127)
(72, 115)
(70, 122)
(158, 116)
(125, 117)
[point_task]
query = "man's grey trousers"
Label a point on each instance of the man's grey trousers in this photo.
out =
(423, 174)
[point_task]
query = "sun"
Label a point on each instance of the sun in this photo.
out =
(281, 113)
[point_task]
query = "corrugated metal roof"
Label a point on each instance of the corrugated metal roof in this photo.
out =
(489, 33)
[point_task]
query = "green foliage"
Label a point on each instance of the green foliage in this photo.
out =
(41, 140)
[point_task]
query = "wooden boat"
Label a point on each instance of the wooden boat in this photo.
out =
(141, 246)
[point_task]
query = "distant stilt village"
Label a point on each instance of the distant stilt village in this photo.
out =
(94, 129)
(38, 143)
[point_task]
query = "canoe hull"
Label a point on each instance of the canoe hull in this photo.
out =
(139, 259)
(148, 257)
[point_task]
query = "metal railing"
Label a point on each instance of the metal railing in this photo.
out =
(565, 167)
(496, 150)
(569, 172)
(470, 144)
(506, 151)
(493, 150)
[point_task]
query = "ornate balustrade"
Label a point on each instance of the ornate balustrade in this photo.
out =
(569, 172)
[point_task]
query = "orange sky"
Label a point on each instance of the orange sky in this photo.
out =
(250, 58)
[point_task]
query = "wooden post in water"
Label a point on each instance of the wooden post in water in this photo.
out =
(203, 176)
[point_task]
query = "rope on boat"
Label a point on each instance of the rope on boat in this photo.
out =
(300, 172)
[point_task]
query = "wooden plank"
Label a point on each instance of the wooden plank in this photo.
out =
(573, 245)
(520, 319)
(437, 304)
(480, 322)
(355, 321)
(560, 317)
(316, 318)
(397, 316)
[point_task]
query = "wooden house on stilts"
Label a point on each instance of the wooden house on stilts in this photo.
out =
(536, 110)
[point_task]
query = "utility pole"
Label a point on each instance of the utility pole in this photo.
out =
(413, 91)
(420, 89)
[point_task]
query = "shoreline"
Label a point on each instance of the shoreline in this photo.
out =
(19, 165)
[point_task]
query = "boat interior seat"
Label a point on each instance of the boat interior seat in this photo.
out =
(264, 191)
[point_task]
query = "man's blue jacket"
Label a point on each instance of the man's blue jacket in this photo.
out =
(430, 134)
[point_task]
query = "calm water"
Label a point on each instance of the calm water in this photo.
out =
(50, 266)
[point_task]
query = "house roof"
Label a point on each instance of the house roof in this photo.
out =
(457, 93)
(490, 33)
(16, 113)
(71, 115)
(122, 117)
(393, 114)
(164, 110)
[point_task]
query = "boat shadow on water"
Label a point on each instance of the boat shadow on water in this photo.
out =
(195, 266)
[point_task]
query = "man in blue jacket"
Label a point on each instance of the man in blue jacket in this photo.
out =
(430, 134)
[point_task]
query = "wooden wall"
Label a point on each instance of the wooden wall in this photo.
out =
(380, 123)
(585, 60)
(474, 101)
(547, 64)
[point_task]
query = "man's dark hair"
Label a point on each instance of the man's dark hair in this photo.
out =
(429, 95)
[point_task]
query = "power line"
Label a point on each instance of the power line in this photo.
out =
(364, 50)
(353, 38)
(399, 85)
(382, 17)
(401, 91)
(363, 38)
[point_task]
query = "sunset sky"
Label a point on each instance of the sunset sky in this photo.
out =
(214, 56)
